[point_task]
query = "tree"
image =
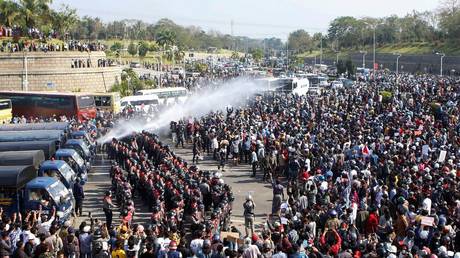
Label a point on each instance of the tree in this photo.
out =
(201, 67)
(117, 46)
(235, 55)
(341, 68)
(166, 38)
(350, 68)
(299, 41)
(132, 49)
(64, 19)
(9, 13)
(257, 54)
(35, 12)
(143, 49)
(153, 47)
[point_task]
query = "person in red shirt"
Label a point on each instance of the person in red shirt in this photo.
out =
(372, 222)
(331, 239)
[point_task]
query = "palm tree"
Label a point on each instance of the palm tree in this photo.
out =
(33, 11)
(166, 38)
(9, 13)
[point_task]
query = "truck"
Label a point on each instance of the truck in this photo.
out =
(63, 126)
(73, 159)
(23, 191)
(80, 146)
(16, 158)
(58, 136)
(48, 147)
(60, 170)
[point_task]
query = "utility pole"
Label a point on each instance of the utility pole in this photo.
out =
(287, 54)
(26, 75)
(442, 58)
(373, 64)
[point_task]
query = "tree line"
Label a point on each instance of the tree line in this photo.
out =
(440, 26)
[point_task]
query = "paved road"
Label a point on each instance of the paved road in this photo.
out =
(238, 177)
(98, 182)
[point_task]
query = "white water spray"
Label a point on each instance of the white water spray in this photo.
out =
(228, 94)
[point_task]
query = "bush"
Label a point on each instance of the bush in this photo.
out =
(435, 107)
(386, 96)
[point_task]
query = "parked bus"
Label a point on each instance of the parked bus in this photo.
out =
(168, 95)
(6, 111)
(109, 101)
(140, 103)
(47, 104)
(317, 83)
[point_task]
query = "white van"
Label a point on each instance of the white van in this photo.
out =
(293, 85)
(140, 103)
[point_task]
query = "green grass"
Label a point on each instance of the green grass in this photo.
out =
(416, 48)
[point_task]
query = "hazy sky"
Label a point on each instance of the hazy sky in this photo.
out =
(254, 18)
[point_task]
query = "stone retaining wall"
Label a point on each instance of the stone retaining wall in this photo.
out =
(52, 71)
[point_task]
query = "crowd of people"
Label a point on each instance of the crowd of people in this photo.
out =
(32, 46)
(184, 200)
(368, 171)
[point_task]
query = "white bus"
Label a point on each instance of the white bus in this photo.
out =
(317, 83)
(140, 103)
(297, 86)
(169, 95)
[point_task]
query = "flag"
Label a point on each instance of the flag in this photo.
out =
(365, 150)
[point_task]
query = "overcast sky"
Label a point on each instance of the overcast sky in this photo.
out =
(254, 18)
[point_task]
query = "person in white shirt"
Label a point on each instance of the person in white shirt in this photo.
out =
(250, 250)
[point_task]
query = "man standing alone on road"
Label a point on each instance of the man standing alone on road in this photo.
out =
(249, 207)
(79, 195)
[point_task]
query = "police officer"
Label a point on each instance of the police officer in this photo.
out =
(107, 207)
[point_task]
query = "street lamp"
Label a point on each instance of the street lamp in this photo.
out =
(442, 57)
(397, 62)
(364, 58)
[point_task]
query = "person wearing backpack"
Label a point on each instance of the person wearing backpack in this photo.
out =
(54, 241)
(132, 249)
(100, 247)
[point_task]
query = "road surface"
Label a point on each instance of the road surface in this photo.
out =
(238, 177)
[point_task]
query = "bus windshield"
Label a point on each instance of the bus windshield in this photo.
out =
(103, 101)
(85, 101)
(283, 85)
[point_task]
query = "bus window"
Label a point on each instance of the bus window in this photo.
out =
(6, 111)
(62, 103)
(85, 101)
(103, 101)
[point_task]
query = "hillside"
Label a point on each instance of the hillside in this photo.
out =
(420, 48)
